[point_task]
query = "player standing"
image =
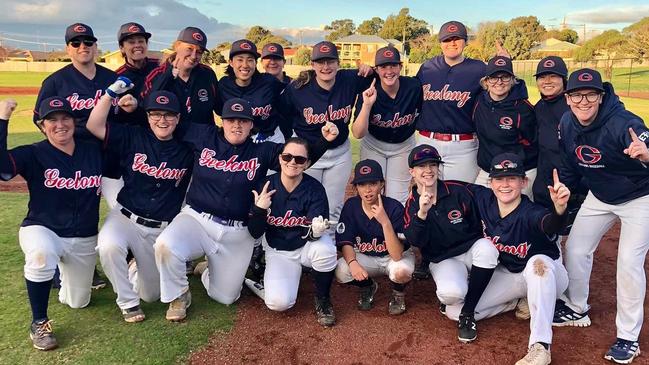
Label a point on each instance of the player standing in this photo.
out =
(605, 145)
(385, 121)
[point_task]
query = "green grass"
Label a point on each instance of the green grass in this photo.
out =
(623, 79)
(96, 334)
(17, 78)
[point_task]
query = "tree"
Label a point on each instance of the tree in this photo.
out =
(403, 25)
(371, 26)
(610, 44)
(212, 56)
(302, 56)
(566, 35)
(424, 47)
(257, 33)
(639, 37)
(223, 45)
(339, 29)
(529, 26)
(273, 39)
(516, 42)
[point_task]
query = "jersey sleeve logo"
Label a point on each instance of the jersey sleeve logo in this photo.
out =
(462, 97)
(56, 103)
(455, 216)
(287, 220)
(78, 182)
(230, 165)
(158, 172)
(340, 228)
(79, 28)
(548, 64)
(588, 155)
(203, 95)
(506, 123)
(197, 36)
(162, 100)
(237, 107)
(585, 77)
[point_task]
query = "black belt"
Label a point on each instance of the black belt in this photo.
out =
(221, 220)
(142, 221)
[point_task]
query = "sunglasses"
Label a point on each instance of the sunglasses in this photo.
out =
(86, 42)
(287, 157)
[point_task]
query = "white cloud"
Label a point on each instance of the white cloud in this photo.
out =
(612, 14)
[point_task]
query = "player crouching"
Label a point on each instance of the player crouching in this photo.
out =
(367, 235)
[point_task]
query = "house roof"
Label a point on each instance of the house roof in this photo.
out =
(553, 44)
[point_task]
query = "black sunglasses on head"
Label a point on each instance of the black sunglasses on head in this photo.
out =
(287, 157)
(86, 42)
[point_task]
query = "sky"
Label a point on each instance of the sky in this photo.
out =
(40, 24)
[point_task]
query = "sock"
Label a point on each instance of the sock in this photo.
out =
(546, 345)
(362, 283)
(39, 295)
(323, 282)
(478, 281)
(398, 287)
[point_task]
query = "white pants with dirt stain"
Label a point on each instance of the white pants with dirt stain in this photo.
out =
(379, 266)
(542, 281)
(460, 158)
(190, 236)
(593, 220)
(75, 256)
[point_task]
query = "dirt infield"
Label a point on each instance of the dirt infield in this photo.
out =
(17, 185)
(421, 335)
(19, 90)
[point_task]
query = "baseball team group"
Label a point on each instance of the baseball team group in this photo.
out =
(455, 163)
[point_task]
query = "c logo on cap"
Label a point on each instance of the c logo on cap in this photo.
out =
(506, 164)
(585, 77)
(387, 53)
(79, 28)
(549, 63)
(133, 28)
(246, 46)
(506, 121)
(454, 214)
(197, 36)
(237, 107)
(272, 49)
(325, 48)
(364, 170)
(162, 100)
(56, 103)
(500, 62)
(452, 28)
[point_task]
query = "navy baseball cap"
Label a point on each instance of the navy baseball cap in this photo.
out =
(54, 104)
(243, 46)
(79, 30)
(129, 29)
(422, 154)
(367, 171)
(237, 108)
(387, 55)
(500, 64)
(585, 78)
(193, 35)
(273, 50)
(324, 50)
(552, 65)
(163, 100)
(452, 29)
(507, 164)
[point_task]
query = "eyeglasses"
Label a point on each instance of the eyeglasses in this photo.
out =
(494, 79)
(86, 42)
(576, 98)
(158, 116)
(287, 157)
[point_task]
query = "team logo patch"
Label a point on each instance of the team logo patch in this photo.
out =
(585, 77)
(325, 48)
(202, 95)
(500, 62)
(340, 228)
(246, 46)
(506, 123)
(507, 164)
(452, 28)
(455, 216)
(56, 103)
(387, 53)
(162, 100)
(365, 170)
(134, 29)
(237, 107)
(197, 36)
(588, 155)
(272, 49)
(549, 64)
(79, 28)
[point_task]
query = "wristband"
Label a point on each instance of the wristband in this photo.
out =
(350, 261)
(111, 93)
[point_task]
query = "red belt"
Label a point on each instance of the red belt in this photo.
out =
(447, 137)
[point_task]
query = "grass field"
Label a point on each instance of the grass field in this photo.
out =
(22, 79)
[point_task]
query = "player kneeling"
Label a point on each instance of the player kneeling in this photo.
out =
(367, 236)
(289, 209)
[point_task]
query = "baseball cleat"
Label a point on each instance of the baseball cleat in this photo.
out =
(467, 328)
(564, 316)
(42, 336)
(537, 355)
(97, 281)
(397, 303)
(522, 310)
(623, 351)
(367, 296)
(442, 308)
(256, 287)
(178, 307)
(325, 312)
(422, 271)
(133, 314)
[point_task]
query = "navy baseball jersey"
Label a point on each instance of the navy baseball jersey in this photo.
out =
(310, 107)
(520, 234)
(356, 229)
(508, 125)
(290, 212)
(137, 77)
(263, 94)
(156, 173)
(451, 227)
(197, 96)
(449, 94)
(394, 120)
(82, 93)
(596, 152)
(64, 189)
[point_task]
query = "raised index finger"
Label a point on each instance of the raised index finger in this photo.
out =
(372, 84)
(634, 137)
(555, 177)
(264, 190)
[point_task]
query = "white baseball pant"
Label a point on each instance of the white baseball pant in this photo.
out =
(393, 158)
(460, 158)
(483, 180)
(332, 170)
(110, 188)
(542, 281)
(277, 137)
(190, 236)
(451, 275)
(75, 256)
(378, 266)
(593, 220)
(116, 237)
(284, 269)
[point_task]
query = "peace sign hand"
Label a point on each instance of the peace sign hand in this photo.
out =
(559, 193)
(369, 95)
(637, 149)
(263, 199)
